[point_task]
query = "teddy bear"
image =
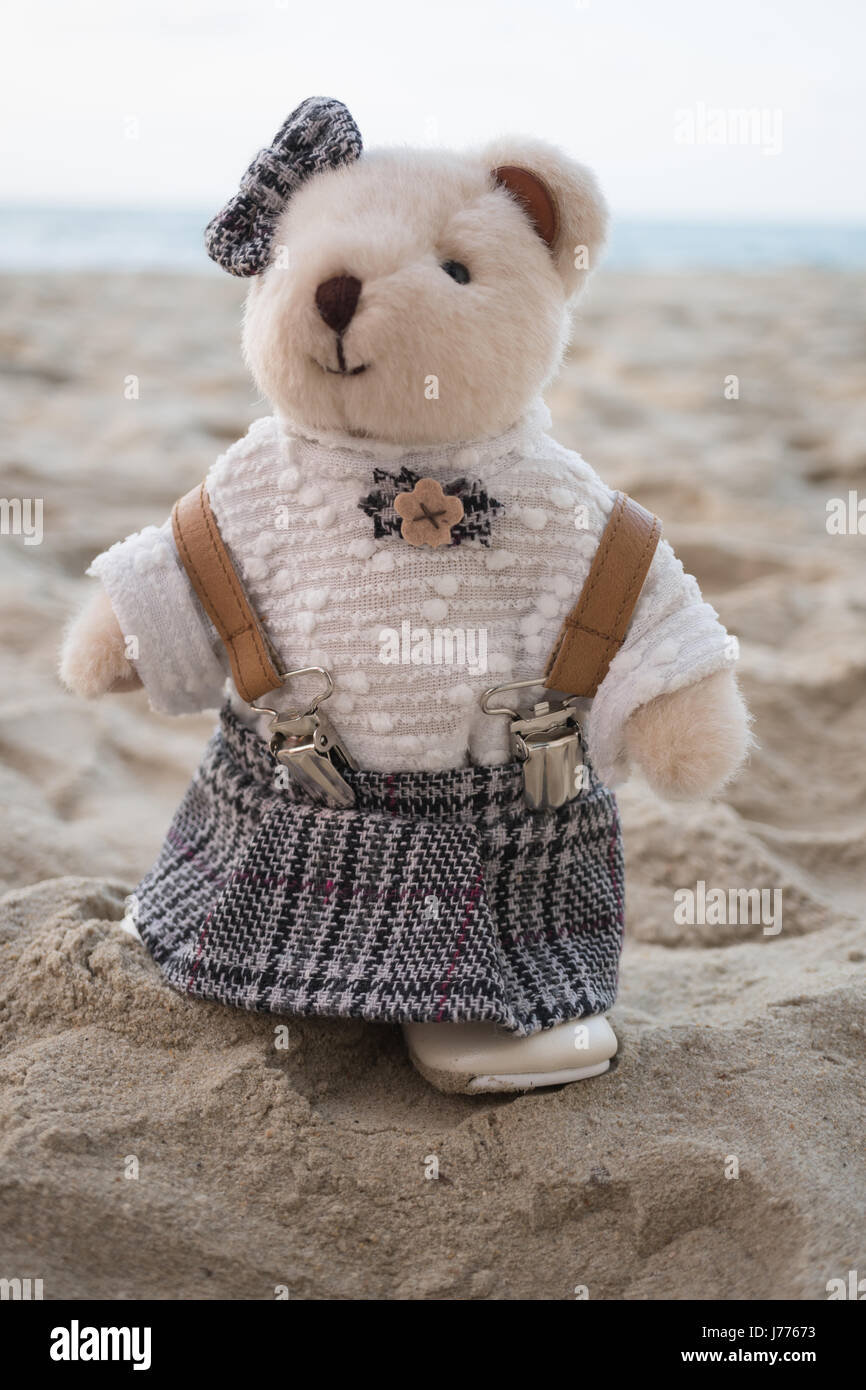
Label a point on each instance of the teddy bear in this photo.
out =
(439, 639)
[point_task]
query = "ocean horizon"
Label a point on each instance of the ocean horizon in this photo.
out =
(36, 238)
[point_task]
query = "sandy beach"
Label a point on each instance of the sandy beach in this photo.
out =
(724, 1156)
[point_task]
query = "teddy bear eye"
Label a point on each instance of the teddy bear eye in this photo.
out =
(457, 271)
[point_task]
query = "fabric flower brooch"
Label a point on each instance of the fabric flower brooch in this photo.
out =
(426, 512)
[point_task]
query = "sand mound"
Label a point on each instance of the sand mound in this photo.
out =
(305, 1165)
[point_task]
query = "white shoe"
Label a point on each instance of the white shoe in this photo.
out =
(476, 1057)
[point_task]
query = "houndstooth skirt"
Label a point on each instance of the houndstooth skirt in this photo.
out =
(438, 896)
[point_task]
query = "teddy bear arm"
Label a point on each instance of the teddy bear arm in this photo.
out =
(690, 742)
(92, 659)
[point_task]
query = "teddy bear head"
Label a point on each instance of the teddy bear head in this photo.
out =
(407, 296)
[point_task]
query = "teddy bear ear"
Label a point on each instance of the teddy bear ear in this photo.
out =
(319, 134)
(562, 200)
(534, 197)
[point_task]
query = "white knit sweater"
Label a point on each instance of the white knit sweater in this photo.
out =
(326, 590)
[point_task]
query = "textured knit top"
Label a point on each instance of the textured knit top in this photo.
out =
(412, 635)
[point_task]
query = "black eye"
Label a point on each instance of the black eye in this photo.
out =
(457, 271)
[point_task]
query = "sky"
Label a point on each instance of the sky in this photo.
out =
(165, 102)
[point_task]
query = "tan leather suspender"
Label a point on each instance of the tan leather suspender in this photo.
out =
(216, 581)
(595, 629)
(590, 637)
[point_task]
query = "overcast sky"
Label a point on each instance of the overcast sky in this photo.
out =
(165, 101)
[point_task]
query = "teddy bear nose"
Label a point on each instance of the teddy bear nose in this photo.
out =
(337, 300)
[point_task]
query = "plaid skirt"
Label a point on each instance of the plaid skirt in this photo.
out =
(437, 896)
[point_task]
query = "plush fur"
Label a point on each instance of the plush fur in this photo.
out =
(391, 220)
(691, 742)
(92, 660)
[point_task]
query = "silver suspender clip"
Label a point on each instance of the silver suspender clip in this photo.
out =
(308, 746)
(548, 743)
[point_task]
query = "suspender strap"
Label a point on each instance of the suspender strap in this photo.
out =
(215, 580)
(595, 629)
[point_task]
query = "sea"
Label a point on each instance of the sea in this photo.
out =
(170, 239)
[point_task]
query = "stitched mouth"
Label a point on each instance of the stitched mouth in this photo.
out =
(341, 369)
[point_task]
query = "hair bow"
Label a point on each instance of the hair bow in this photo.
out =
(319, 134)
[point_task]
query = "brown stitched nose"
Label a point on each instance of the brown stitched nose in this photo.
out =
(337, 300)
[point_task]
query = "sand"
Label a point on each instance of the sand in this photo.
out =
(305, 1166)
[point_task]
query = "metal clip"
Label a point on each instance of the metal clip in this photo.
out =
(549, 744)
(308, 746)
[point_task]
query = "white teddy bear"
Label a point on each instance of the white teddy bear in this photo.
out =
(404, 522)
